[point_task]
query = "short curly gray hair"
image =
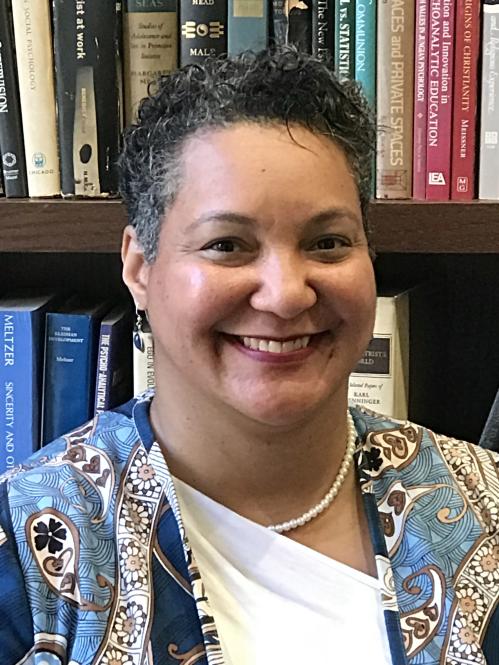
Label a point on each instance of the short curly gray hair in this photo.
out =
(273, 86)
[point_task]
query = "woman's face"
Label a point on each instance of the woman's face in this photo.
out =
(262, 295)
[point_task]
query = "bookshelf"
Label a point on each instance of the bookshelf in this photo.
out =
(75, 244)
(398, 226)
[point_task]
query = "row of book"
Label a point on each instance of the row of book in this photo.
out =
(65, 361)
(426, 66)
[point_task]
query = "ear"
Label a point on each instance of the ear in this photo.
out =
(136, 269)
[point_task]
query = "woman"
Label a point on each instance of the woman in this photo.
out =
(243, 513)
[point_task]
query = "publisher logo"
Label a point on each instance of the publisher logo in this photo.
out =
(9, 160)
(38, 160)
(191, 29)
(462, 184)
(490, 138)
(436, 178)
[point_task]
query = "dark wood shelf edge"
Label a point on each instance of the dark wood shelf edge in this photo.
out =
(398, 226)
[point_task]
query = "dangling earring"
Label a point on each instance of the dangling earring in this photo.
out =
(138, 339)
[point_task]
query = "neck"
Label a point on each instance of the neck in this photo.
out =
(265, 473)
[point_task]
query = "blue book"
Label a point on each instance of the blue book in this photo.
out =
(365, 48)
(113, 382)
(71, 340)
(247, 26)
(21, 368)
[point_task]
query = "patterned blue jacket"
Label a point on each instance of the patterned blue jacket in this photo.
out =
(95, 566)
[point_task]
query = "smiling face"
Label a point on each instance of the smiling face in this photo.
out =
(262, 296)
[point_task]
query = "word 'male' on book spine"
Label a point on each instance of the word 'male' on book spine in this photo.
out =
(11, 133)
(87, 40)
(150, 45)
(465, 100)
(33, 37)
(203, 30)
(439, 117)
(394, 95)
(488, 181)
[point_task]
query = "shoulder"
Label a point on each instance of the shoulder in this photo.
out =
(57, 521)
(406, 448)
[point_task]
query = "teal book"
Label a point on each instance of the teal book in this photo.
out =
(71, 343)
(22, 321)
(344, 38)
(365, 48)
(247, 26)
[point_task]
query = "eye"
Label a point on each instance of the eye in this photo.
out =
(329, 243)
(224, 245)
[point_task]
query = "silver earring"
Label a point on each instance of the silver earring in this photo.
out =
(138, 339)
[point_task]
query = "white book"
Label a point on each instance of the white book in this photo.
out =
(143, 363)
(33, 38)
(381, 379)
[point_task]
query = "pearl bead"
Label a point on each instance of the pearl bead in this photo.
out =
(334, 489)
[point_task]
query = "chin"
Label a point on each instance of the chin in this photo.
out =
(283, 413)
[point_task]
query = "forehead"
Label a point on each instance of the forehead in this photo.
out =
(258, 169)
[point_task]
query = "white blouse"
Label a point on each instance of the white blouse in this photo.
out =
(277, 601)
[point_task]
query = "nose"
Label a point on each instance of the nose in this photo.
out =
(284, 287)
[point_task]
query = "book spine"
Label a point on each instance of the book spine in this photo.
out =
(300, 25)
(35, 68)
(365, 48)
(279, 25)
(394, 98)
(87, 46)
(150, 47)
(247, 26)
(203, 30)
(323, 29)
(420, 100)
(103, 374)
(465, 100)
(143, 365)
(488, 183)
(380, 380)
(11, 133)
(19, 387)
(69, 374)
(344, 38)
(439, 114)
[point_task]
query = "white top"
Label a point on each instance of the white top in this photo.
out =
(277, 601)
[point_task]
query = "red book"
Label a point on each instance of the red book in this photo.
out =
(420, 100)
(439, 117)
(465, 100)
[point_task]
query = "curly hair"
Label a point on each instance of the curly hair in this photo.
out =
(273, 86)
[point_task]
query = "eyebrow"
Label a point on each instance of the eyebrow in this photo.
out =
(328, 215)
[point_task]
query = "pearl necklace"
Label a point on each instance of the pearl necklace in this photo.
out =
(335, 487)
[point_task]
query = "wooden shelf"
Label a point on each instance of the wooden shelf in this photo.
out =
(398, 226)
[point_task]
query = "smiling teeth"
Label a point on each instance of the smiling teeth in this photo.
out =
(273, 346)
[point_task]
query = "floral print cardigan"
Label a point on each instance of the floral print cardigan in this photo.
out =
(95, 566)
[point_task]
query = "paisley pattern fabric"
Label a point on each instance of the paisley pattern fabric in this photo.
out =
(96, 568)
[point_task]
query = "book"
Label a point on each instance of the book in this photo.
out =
(87, 46)
(464, 113)
(11, 132)
(439, 107)
(323, 29)
(344, 38)
(420, 100)
(278, 29)
(300, 24)
(143, 360)
(203, 30)
(35, 68)
(150, 44)
(489, 438)
(22, 322)
(71, 339)
(365, 48)
(394, 98)
(113, 383)
(247, 26)
(488, 180)
(380, 380)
